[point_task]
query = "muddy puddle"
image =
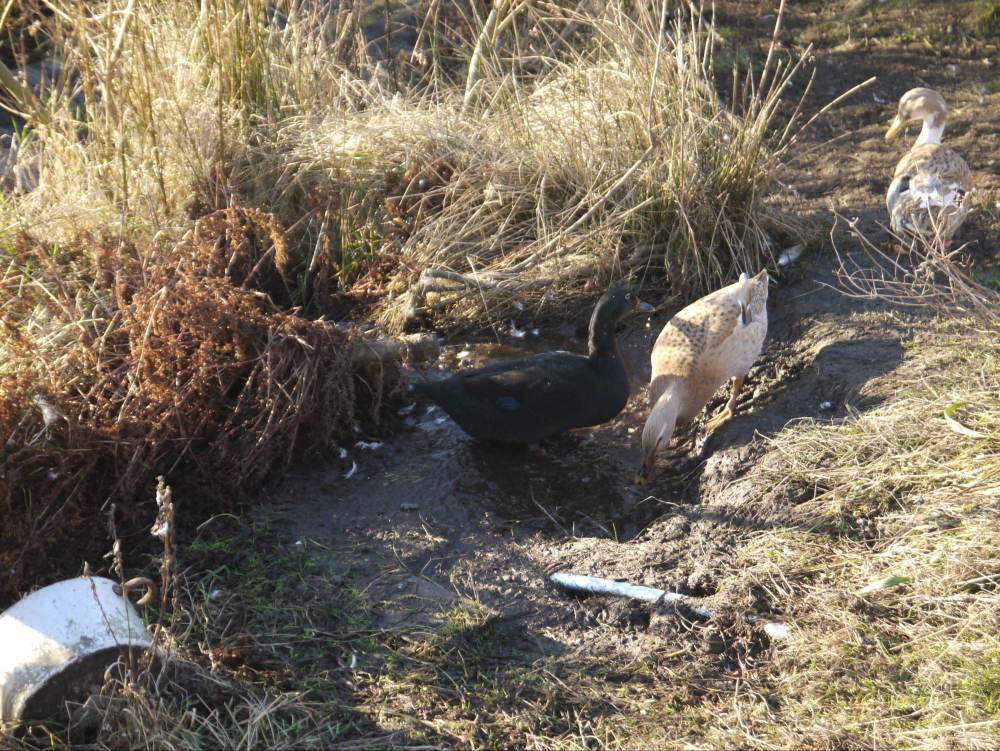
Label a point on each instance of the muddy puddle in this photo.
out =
(430, 499)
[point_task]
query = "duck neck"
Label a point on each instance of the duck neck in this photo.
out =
(662, 419)
(932, 130)
(602, 344)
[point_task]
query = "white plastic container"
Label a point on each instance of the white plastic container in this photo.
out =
(57, 643)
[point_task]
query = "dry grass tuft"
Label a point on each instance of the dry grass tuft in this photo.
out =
(571, 148)
(890, 575)
(613, 158)
(933, 274)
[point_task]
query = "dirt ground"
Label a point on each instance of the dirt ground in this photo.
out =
(431, 519)
(432, 515)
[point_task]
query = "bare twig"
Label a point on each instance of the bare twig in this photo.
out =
(928, 276)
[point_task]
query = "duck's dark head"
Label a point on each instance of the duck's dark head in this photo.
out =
(619, 301)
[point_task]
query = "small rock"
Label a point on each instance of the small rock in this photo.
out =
(789, 255)
(826, 406)
(777, 631)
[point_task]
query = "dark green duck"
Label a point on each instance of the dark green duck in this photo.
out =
(526, 400)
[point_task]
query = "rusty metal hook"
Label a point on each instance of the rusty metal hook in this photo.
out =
(123, 590)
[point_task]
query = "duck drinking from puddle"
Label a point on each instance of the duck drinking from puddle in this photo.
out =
(712, 340)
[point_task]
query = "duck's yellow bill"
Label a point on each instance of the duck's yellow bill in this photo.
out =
(894, 128)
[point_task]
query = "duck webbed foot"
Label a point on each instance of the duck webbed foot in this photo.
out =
(726, 414)
(719, 420)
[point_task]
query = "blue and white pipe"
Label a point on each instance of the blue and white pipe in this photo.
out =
(597, 585)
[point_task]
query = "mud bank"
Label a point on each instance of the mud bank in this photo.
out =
(432, 517)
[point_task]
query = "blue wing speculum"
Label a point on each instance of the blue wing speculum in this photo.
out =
(507, 403)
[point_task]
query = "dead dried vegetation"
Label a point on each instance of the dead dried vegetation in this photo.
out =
(894, 598)
(566, 148)
(935, 275)
(254, 163)
(121, 362)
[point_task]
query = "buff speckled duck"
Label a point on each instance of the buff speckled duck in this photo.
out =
(710, 341)
(523, 401)
(930, 193)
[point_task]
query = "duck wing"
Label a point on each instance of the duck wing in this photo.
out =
(931, 178)
(936, 160)
(553, 380)
(696, 331)
(705, 344)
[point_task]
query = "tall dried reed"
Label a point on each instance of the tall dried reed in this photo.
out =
(575, 146)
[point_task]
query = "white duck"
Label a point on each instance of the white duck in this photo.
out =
(710, 341)
(930, 194)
